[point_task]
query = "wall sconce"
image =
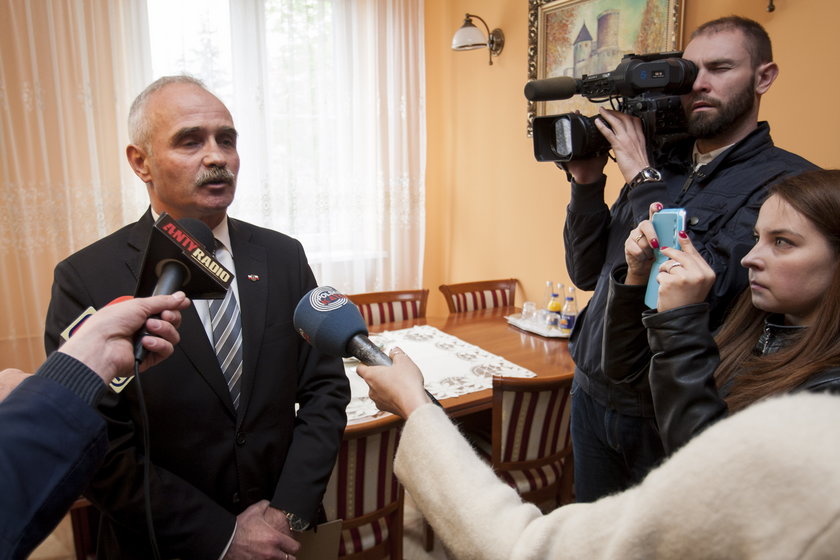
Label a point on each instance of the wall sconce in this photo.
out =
(470, 37)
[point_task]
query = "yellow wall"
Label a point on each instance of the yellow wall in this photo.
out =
(492, 211)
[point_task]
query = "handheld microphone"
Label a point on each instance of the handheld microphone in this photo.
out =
(178, 257)
(549, 89)
(329, 321)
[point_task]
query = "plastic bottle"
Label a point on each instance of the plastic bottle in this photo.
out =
(568, 315)
(547, 293)
(555, 306)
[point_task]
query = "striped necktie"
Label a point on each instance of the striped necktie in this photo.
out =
(227, 339)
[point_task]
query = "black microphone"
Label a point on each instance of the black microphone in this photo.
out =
(179, 256)
(329, 321)
(550, 89)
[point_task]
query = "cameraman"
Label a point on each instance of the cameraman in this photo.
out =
(720, 178)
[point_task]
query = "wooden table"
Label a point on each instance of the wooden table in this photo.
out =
(488, 329)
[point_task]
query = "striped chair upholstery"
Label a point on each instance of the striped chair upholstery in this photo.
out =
(530, 444)
(364, 492)
(386, 307)
(468, 296)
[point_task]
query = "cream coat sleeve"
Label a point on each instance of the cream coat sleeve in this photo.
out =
(763, 483)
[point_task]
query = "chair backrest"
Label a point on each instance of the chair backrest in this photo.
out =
(531, 447)
(365, 493)
(468, 296)
(386, 307)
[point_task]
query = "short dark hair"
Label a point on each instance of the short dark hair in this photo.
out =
(758, 41)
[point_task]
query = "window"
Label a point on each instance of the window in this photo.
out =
(328, 100)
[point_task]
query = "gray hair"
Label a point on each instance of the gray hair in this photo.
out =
(139, 129)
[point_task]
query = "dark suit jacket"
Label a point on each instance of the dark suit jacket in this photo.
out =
(210, 461)
(51, 441)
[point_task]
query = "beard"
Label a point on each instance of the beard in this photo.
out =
(708, 124)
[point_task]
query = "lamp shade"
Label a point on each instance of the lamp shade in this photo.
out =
(468, 37)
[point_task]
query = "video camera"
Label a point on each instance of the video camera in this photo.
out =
(646, 86)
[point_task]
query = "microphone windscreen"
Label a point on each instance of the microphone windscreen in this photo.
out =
(190, 243)
(328, 320)
(200, 231)
(549, 89)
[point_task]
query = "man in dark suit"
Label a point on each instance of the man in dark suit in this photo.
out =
(234, 466)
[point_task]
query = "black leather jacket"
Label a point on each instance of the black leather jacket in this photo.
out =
(722, 200)
(686, 398)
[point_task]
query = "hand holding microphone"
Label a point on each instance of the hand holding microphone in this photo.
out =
(397, 389)
(104, 341)
(331, 323)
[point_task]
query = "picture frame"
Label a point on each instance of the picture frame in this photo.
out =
(577, 37)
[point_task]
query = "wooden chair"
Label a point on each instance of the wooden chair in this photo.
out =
(385, 307)
(364, 492)
(529, 445)
(467, 296)
(531, 442)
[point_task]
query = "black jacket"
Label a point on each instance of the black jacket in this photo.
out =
(721, 200)
(681, 374)
(210, 461)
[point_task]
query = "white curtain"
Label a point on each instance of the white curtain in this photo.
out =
(63, 100)
(328, 97)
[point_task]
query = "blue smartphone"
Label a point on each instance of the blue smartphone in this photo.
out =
(667, 223)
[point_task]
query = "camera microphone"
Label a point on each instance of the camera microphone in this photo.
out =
(549, 89)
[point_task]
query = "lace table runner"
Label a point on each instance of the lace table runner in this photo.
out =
(450, 366)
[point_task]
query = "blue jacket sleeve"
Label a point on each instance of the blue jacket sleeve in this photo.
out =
(51, 442)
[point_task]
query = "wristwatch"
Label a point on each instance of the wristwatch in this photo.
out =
(296, 523)
(646, 175)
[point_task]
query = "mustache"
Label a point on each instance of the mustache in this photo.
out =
(703, 99)
(215, 175)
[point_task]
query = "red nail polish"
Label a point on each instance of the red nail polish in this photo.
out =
(658, 207)
(654, 243)
(683, 234)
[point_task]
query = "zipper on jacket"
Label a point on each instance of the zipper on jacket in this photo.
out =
(696, 174)
(767, 338)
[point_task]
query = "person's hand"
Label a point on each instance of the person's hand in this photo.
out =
(638, 249)
(105, 341)
(397, 388)
(9, 379)
(685, 278)
(255, 537)
(627, 138)
(586, 171)
(277, 519)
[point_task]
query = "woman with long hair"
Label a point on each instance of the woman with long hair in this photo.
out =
(734, 474)
(782, 335)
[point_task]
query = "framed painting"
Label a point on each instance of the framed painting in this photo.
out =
(578, 37)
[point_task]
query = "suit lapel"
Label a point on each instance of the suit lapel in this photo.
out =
(202, 355)
(252, 283)
(138, 240)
